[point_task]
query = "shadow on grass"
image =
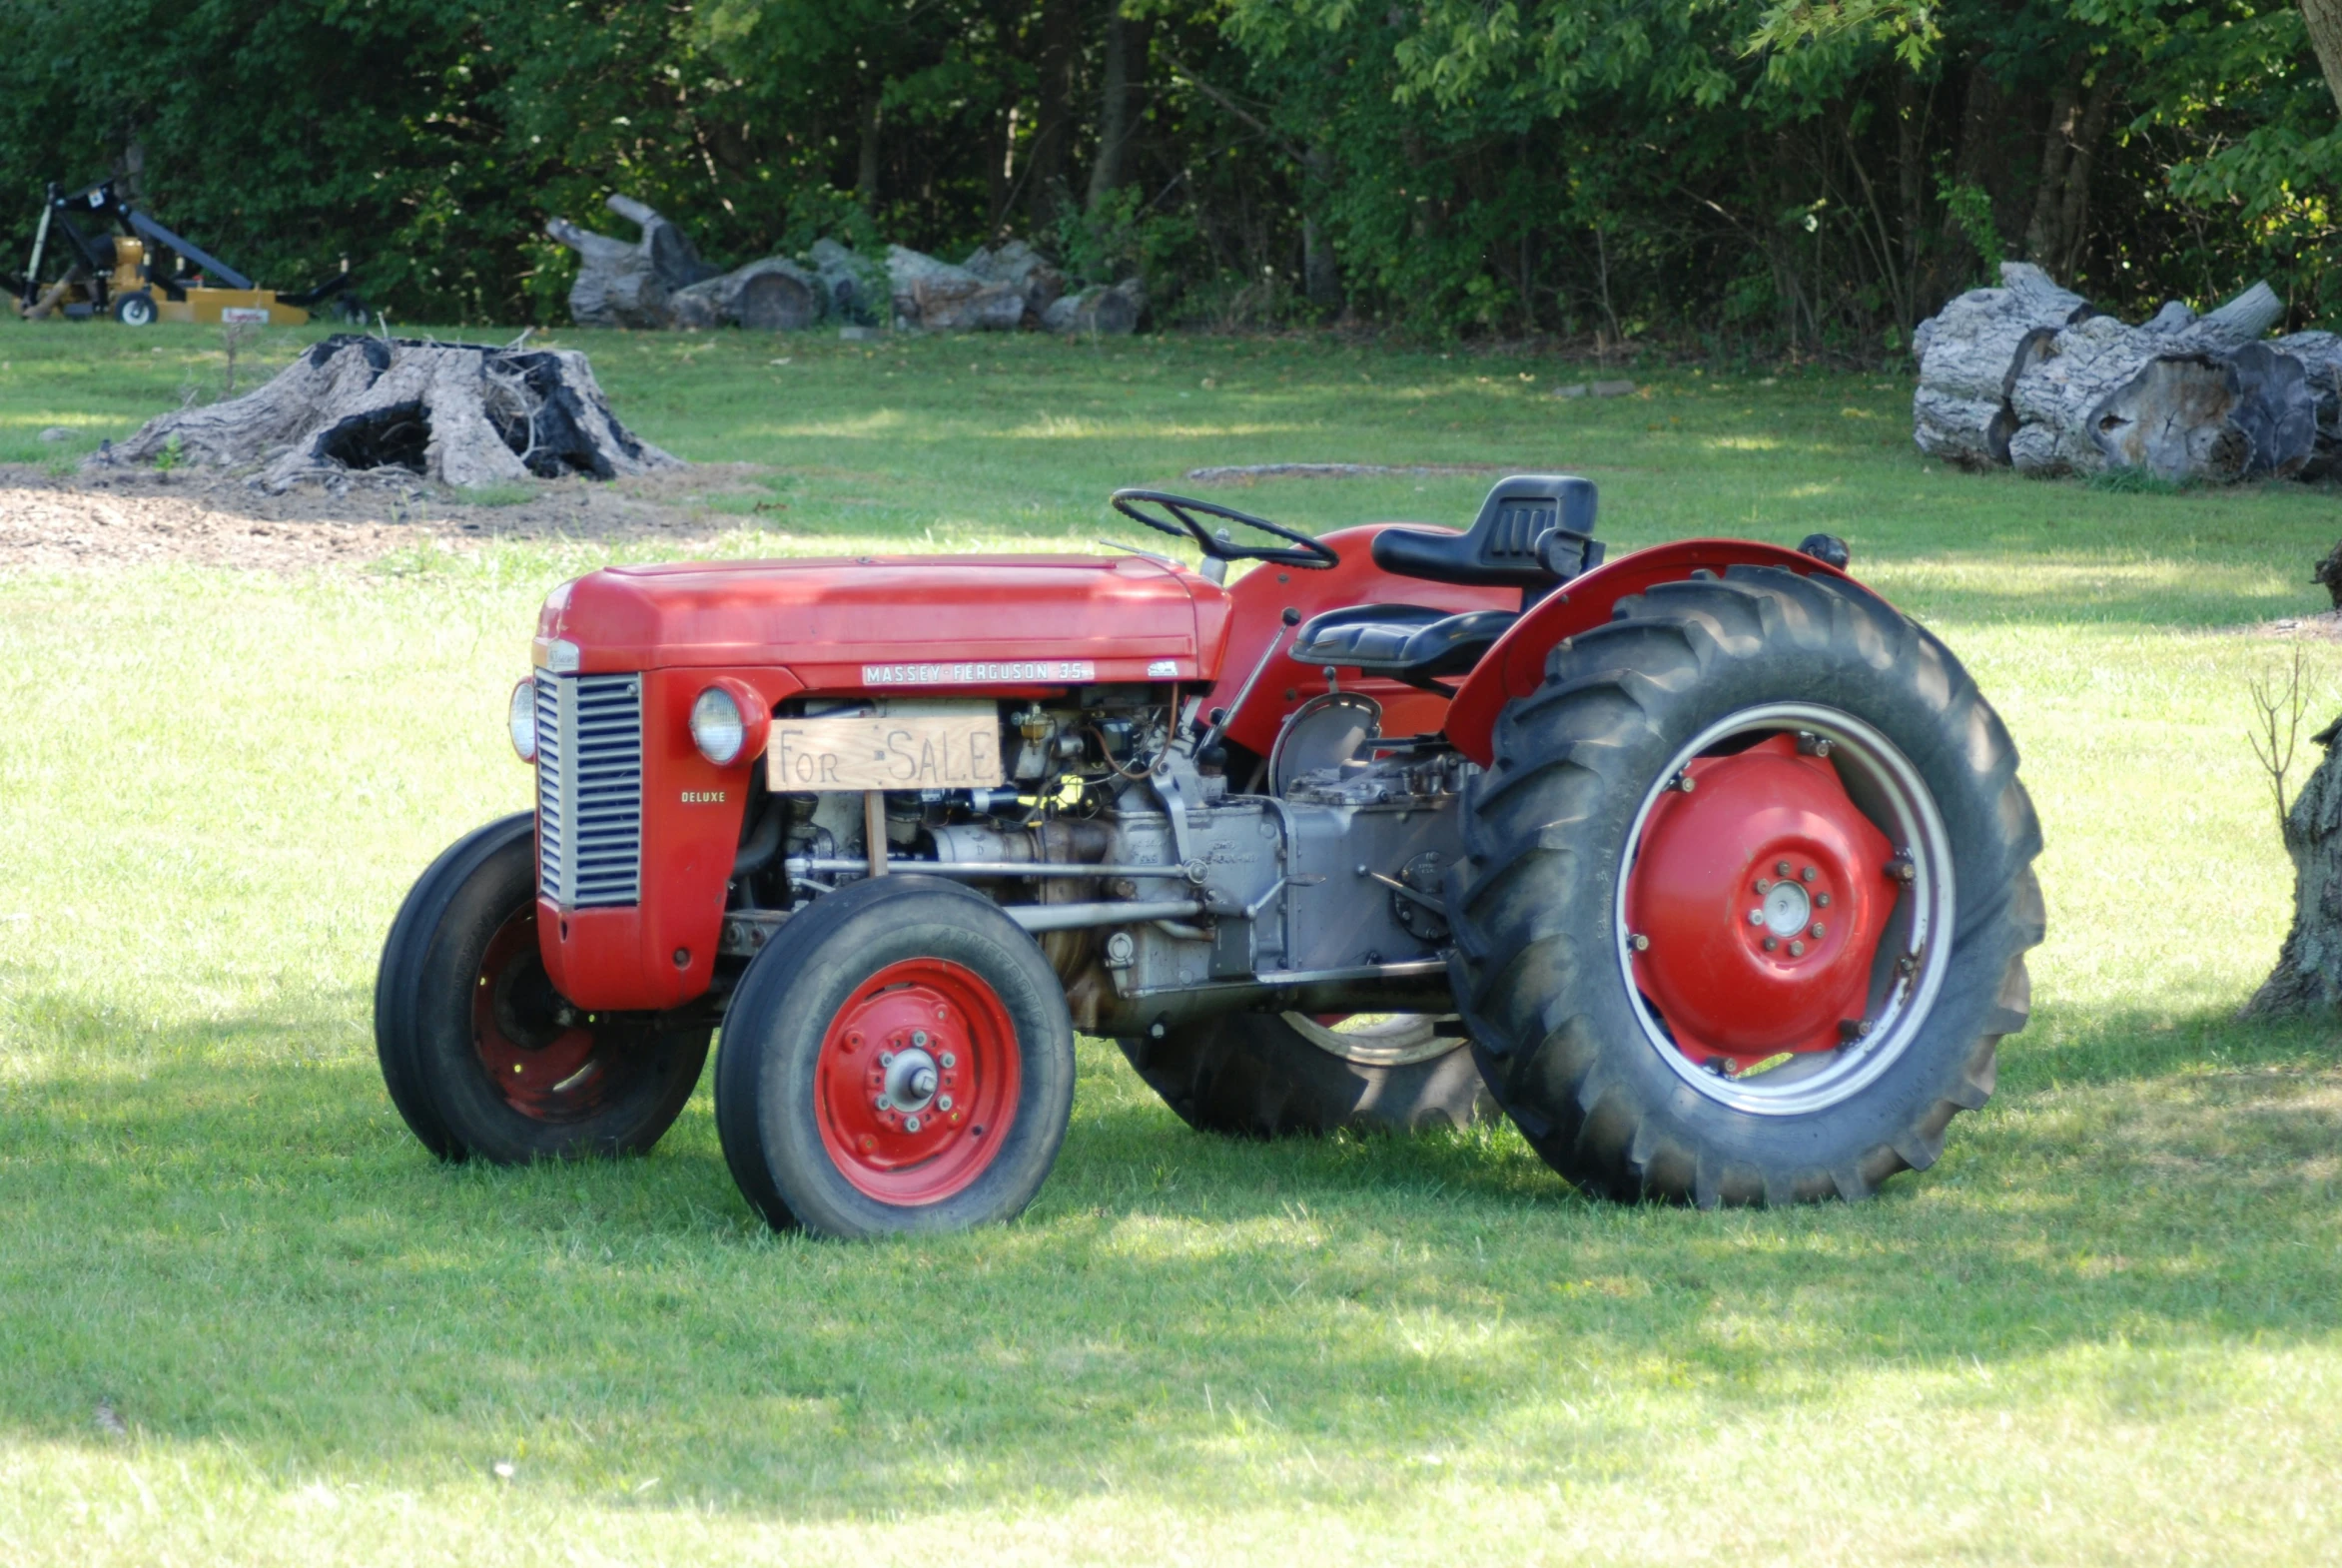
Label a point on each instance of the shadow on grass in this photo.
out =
(236, 1247)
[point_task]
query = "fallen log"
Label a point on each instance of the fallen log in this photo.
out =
(1025, 269)
(1971, 355)
(934, 295)
(622, 284)
(2027, 376)
(458, 413)
(1099, 311)
(2197, 399)
(773, 294)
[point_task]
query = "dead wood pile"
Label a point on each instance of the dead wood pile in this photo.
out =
(2028, 376)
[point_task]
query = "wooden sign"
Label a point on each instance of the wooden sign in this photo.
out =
(921, 751)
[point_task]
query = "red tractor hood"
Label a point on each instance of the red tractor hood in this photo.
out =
(878, 622)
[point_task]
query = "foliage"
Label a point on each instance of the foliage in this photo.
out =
(1797, 177)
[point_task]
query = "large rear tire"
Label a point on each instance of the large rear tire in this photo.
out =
(1272, 1075)
(899, 1058)
(481, 1055)
(1746, 896)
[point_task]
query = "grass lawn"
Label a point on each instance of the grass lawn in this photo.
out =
(2103, 1329)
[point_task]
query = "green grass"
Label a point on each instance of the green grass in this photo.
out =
(2103, 1330)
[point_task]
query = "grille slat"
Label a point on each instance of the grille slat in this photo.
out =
(589, 789)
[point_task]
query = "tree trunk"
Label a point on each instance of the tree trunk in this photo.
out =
(1320, 276)
(459, 414)
(1113, 112)
(2073, 218)
(1052, 129)
(2308, 975)
(866, 160)
(2323, 19)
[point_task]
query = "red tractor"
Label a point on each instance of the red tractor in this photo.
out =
(1707, 866)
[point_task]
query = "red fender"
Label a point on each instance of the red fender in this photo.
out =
(1515, 666)
(1258, 599)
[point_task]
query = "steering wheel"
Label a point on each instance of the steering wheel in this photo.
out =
(1182, 522)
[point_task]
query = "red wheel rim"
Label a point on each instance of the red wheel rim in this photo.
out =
(1756, 900)
(541, 1055)
(918, 1081)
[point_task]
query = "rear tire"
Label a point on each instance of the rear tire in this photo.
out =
(481, 1057)
(1272, 1075)
(1610, 1092)
(899, 1058)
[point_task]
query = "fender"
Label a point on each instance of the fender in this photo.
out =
(1258, 600)
(1515, 666)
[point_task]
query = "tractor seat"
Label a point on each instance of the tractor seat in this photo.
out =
(1408, 642)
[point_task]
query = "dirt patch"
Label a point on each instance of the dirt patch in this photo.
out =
(2324, 626)
(131, 516)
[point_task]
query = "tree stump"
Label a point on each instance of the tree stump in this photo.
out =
(458, 413)
(2308, 977)
(627, 285)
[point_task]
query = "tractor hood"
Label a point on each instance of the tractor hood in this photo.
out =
(884, 622)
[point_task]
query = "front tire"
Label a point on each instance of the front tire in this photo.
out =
(1275, 1074)
(899, 1058)
(1663, 1010)
(481, 1055)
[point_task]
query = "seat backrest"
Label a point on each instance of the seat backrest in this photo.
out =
(1502, 548)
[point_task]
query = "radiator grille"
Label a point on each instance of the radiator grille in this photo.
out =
(589, 789)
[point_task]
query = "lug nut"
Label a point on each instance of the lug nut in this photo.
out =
(1797, 950)
(1821, 901)
(1756, 917)
(1809, 874)
(1817, 931)
(885, 1103)
(1639, 942)
(886, 1058)
(950, 1060)
(1781, 868)
(1764, 884)
(1683, 781)
(911, 1125)
(945, 1104)
(919, 1036)
(1770, 943)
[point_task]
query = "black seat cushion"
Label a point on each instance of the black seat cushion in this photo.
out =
(1409, 642)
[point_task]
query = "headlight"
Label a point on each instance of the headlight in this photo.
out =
(521, 719)
(718, 727)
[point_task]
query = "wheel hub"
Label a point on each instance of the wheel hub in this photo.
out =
(1756, 902)
(547, 1059)
(919, 1077)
